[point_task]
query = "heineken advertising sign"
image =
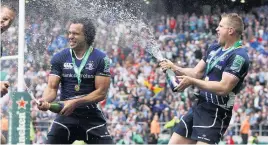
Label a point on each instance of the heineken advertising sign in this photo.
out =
(19, 118)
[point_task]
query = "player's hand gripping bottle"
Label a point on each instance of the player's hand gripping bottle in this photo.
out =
(172, 80)
(56, 107)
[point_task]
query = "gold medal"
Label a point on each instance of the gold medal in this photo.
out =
(77, 88)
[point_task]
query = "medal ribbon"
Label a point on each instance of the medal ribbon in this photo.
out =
(79, 69)
(211, 63)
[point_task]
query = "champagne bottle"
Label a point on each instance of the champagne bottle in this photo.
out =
(172, 80)
(170, 75)
(56, 107)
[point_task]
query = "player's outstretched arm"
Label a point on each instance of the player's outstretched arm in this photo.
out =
(196, 72)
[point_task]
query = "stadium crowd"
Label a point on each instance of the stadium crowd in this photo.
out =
(139, 102)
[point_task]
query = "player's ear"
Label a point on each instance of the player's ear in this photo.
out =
(231, 30)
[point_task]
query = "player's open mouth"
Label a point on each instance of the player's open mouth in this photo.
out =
(71, 42)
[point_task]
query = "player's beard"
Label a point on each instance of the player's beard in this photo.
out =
(74, 45)
(77, 46)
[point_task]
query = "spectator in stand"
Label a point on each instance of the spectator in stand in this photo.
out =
(244, 130)
(230, 140)
(155, 129)
(172, 23)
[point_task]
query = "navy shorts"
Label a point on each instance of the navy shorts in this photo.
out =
(88, 125)
(204, 122)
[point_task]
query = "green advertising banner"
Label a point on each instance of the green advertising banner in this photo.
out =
(19, 118)
(3, 76)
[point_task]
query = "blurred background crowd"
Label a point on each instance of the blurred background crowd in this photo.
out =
(140, 107)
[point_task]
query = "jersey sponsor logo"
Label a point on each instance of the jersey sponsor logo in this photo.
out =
(218, 67)
(203, 137)
(237, 63)
(104, 74)
(106, 64)
(68, 65)
(223, 57)
(71, 75)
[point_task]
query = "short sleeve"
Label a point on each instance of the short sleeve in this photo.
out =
(55, 66)
(206, 55)
(237, 65)
(103, 68)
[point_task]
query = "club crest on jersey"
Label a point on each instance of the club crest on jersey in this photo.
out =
(237, 63)
(212, 52)
(90, 65)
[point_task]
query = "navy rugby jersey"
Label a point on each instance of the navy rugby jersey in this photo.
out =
(98, 64)
(236, 62)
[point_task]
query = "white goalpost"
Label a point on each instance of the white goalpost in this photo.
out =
(9, 57)
(21, 45)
